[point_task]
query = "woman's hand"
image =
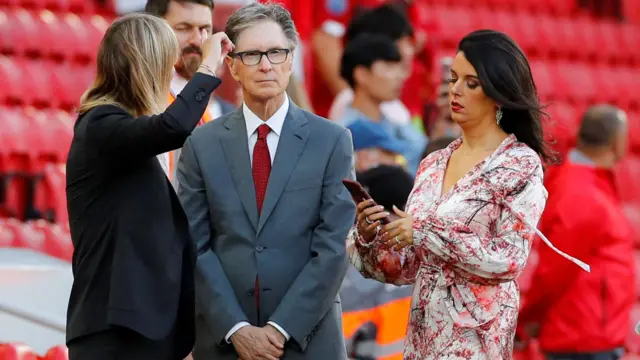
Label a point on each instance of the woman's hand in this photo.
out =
(214, 49)
(368, 219)
(398, 234)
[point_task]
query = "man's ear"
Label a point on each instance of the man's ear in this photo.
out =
(289, 66)
(231, 64)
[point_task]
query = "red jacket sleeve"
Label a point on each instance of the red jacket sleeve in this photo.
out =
(573, 232)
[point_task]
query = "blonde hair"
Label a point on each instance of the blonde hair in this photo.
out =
(135, 66)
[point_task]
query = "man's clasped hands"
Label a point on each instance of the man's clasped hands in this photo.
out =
(258, 343)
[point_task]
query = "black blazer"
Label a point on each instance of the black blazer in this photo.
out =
(133, 262)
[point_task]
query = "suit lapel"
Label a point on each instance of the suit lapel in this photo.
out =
(290, 145)
(236, 151)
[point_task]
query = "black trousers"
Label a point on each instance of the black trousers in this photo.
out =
(121, 344)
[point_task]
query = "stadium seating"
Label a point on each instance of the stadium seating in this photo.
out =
(47, 60)
(57, 353)
(17, 352)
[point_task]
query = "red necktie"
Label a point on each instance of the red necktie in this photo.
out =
(261, 169)
(261, 165)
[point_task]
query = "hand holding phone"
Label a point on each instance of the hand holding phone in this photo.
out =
(359, 194)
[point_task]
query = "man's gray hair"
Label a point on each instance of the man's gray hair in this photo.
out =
(249, 15)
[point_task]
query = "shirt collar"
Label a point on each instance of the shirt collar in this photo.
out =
(177, 83)
(577, 157)
(275, 122)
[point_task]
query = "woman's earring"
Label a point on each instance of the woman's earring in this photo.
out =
(498, 116)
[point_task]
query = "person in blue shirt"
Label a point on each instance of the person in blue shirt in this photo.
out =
(371, 65)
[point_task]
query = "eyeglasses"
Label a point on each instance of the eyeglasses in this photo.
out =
(254, 57)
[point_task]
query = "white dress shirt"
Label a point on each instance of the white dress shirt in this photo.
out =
(275, 122)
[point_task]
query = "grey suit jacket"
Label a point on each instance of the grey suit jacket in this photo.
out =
(296, 246)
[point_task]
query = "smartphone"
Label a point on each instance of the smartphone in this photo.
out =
(359, 194)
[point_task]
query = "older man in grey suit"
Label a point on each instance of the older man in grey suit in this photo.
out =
(262, 188)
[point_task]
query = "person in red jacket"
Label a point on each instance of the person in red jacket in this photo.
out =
(578, 315)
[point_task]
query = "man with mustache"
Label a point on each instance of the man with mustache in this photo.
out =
(188, 19)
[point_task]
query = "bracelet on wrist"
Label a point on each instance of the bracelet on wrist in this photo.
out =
(206, 67)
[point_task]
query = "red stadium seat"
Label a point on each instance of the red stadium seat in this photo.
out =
(15, 158)
(25, 32)
(79, 44)
(70, 82)
(57, 239)
(12, 83)
(491, 4)
(625, 80)
(629, 35)
(57, 34)
(6, 35)
(52, 129)
(59, 352)
(587, 29)
(610, 43)
(451, 35)
(13, 127)
(58, 5)
(563, 125)
(28, 82)
(28, 236)
(544, 79)
(36, 77)
(87, 32)
(633, 118)
(549, 36)
(576, 79)
(97, 25)
(7, 236)
(17, 352)
(82, 6)
(61, 132)
(606, 83)
(557, 7)
(524, 29)
(567, 40)
(50, 196)
(627, 175)
(28, 4)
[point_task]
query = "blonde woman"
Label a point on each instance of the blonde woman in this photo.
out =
(133, 294)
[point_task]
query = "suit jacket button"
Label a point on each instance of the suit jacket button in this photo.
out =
(259, 248)
(250, 292)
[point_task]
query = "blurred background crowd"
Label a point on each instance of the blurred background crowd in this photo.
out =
(380, 68)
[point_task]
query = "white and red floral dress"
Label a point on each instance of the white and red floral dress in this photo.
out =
(470, 244)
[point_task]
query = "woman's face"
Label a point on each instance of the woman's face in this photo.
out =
(467, 100)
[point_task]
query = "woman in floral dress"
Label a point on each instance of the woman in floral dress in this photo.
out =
(471, 217)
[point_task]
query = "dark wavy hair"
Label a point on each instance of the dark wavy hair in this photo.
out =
(505, 76)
